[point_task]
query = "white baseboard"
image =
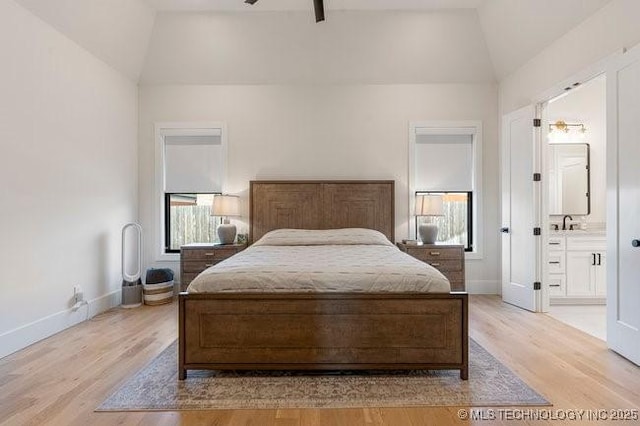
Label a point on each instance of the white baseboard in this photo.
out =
(26, 335)
(483, 286)
(577, 300)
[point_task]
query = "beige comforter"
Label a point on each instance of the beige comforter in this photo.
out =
(346, 260)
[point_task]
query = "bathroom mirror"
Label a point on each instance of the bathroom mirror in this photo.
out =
(569, 179)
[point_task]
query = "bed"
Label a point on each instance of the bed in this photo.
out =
(243, 314)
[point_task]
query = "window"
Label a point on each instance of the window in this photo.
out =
(188, 220)
(191, 169)
(445, 159)
(456, 226)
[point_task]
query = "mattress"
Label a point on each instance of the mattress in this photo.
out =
(344, 261)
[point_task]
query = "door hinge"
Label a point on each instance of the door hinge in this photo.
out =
(537, 231)
(537, 122)
(537, 177)
(537, 285)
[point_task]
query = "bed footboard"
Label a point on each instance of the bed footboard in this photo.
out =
(303, 331)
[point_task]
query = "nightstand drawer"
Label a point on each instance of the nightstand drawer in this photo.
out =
(186, 279)
(454, 276)
(208, 254)
(428, 254)
(198, 266)
(225, 253)
(457, 285)
(199, 254)
(445, 265)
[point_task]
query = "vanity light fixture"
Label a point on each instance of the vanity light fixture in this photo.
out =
(563, 132)
(562, 126)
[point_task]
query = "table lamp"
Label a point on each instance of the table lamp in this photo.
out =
(428, 205)
(225, 206)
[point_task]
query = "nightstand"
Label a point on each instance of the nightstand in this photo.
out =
(195, 258)
(448, 259)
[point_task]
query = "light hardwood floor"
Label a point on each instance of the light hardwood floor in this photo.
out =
(61, 380)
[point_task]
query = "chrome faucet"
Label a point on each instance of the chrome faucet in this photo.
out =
(564, 222)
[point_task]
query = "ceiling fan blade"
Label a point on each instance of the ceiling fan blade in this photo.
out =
(319, 7)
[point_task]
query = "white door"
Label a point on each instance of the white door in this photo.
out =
(623, 205)
(520, 248)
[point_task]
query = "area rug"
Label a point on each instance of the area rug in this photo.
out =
(156, 387)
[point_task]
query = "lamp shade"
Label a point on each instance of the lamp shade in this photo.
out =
(429, 205)
(225, 205)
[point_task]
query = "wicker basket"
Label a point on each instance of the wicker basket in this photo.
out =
(158, 288)
(155, 294)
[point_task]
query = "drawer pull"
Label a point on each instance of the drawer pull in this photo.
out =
(555, 262)
(554, 285)
(209, 253)
(554, 244)
(434, 253)
(435, 264)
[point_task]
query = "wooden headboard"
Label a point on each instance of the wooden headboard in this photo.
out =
(321, 204)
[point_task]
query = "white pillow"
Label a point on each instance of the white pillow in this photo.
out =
(316, 237)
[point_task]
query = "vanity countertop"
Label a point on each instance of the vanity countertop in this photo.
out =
(579, 233)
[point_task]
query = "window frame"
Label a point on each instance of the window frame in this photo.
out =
(462, 127)
(163, 129)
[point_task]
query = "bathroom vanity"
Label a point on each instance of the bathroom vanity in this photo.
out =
(577, 267)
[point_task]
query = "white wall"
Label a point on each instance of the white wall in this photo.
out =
(611, 28)
(116, 31)
(350, 47)
(517, 30)
(68, 128)
(587, 105)
(324, 132)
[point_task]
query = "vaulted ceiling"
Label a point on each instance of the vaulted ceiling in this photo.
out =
(276, 41)
(271, 5)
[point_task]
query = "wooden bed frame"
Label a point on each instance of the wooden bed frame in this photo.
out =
(322, 331)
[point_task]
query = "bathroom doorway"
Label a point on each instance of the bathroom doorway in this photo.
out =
(574, 205)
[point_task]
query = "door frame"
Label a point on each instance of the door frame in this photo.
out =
(540, 102)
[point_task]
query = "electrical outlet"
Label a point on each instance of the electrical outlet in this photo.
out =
(78, 294)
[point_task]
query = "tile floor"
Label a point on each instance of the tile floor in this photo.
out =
(591, 319)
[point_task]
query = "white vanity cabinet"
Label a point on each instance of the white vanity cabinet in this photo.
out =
(577, 268)
(585, 274)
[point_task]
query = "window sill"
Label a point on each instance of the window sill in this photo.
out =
(472, 255)
(168, 257)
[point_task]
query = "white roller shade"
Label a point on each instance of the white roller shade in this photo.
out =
(444, 162)
(193, 163)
